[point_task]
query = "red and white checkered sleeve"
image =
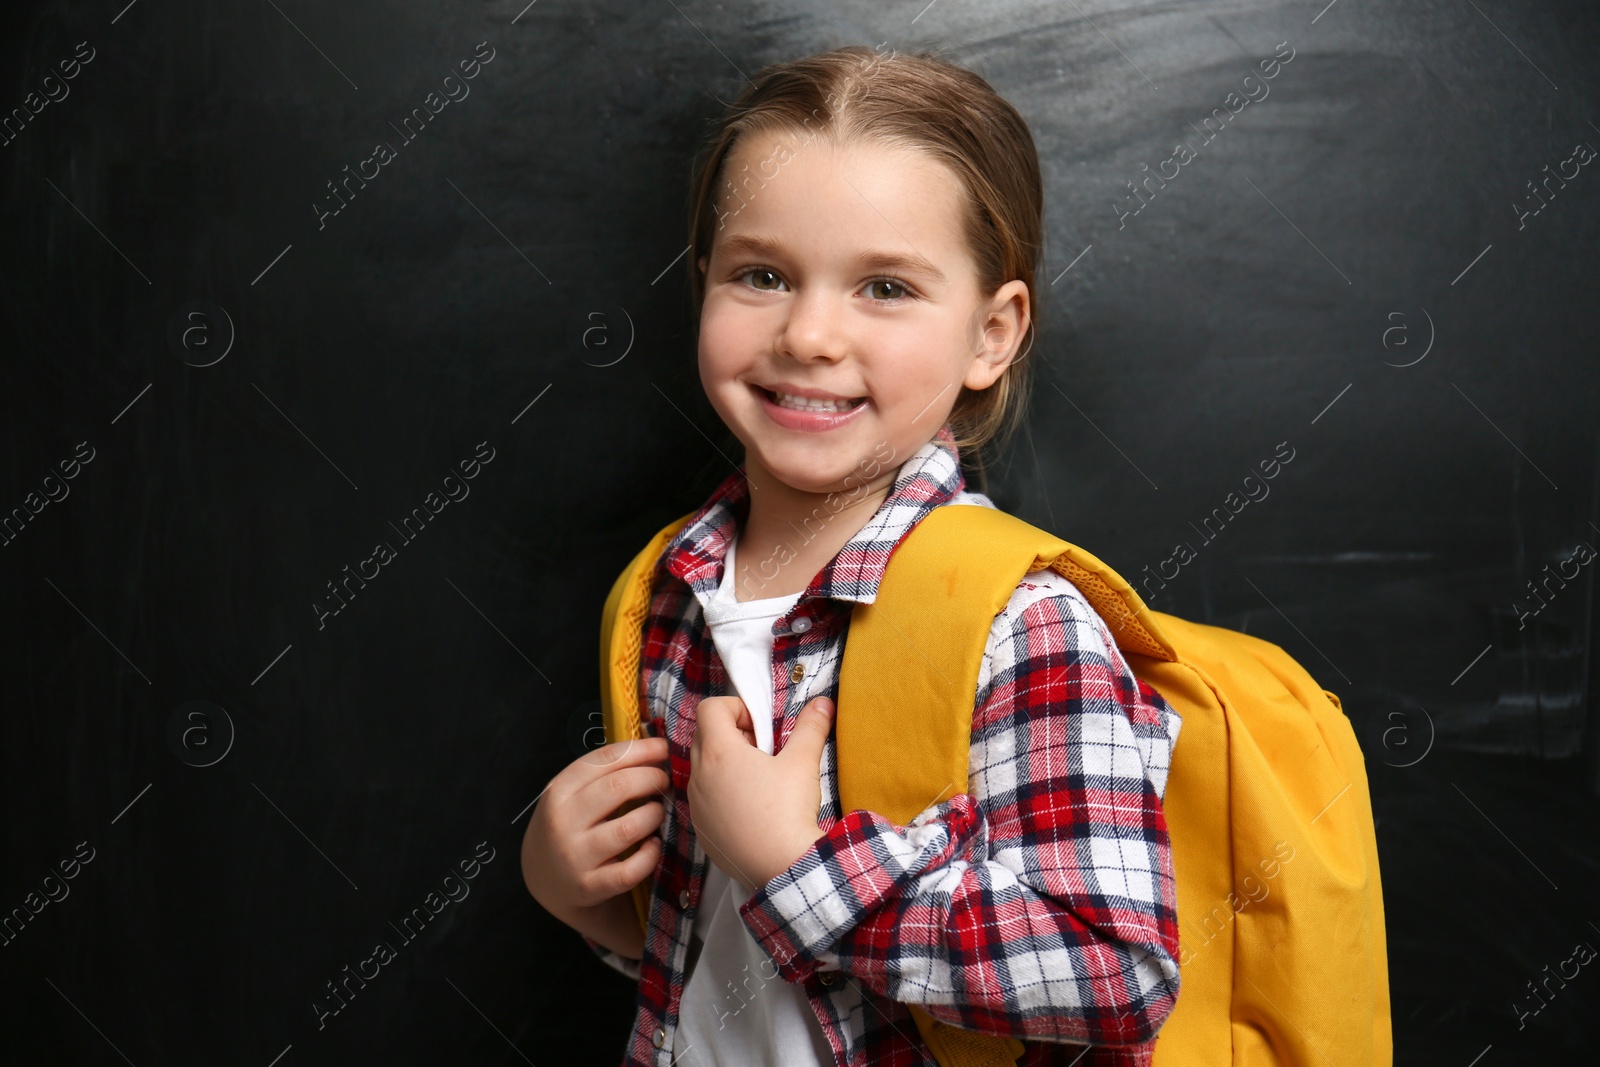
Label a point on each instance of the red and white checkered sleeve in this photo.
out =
(1041, 903)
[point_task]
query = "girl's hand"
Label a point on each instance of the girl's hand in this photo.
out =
(569, 849)
(755, 814)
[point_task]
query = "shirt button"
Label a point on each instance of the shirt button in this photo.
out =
(683, 898)
(826, 978)
(801, 624)
(797, 672)
(661, 1037)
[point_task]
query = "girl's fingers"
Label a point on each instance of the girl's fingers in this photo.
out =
(594, 766)
(623, 875)
(611, 837)
(578, 815)
(590, 805)
(640, 750)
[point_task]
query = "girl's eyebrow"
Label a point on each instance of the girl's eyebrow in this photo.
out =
(750, 244)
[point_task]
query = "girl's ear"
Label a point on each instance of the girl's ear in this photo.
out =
(1005, 320)
(703, 262)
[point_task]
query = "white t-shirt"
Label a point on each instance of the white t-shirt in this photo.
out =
(735, 1011)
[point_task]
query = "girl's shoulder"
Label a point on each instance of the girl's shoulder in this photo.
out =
(1045, 600)
(1048, 626)
(966, 496)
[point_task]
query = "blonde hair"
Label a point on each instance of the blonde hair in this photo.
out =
(924, 102)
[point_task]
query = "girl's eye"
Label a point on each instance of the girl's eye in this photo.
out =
(896, 289)
(764, 273)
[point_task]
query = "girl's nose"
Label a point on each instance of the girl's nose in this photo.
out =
(815, 328)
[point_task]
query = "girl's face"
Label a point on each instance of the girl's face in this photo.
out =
(843, 273)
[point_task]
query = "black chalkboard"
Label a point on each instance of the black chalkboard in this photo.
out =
(320, 460)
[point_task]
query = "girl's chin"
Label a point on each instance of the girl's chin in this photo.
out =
(800, 472)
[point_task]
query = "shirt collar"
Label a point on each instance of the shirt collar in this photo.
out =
(930, 477)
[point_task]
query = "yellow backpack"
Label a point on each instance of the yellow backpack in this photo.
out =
(1280, 910)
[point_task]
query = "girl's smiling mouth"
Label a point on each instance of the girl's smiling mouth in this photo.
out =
(794, 411)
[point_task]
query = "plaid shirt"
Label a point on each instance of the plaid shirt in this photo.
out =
(1041, 904)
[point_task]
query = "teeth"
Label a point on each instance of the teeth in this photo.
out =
(802, 403)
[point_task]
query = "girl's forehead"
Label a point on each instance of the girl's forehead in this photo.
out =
(792, 180)
(782, 144)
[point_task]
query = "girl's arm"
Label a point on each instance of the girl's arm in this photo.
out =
(1040, 905)
(613, 932)
(611, 927)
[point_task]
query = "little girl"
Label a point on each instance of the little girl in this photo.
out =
(864, 235)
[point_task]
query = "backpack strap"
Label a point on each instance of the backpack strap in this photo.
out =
(621, 638)
(945, 583)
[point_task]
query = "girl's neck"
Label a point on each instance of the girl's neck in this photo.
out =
(790, 534)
